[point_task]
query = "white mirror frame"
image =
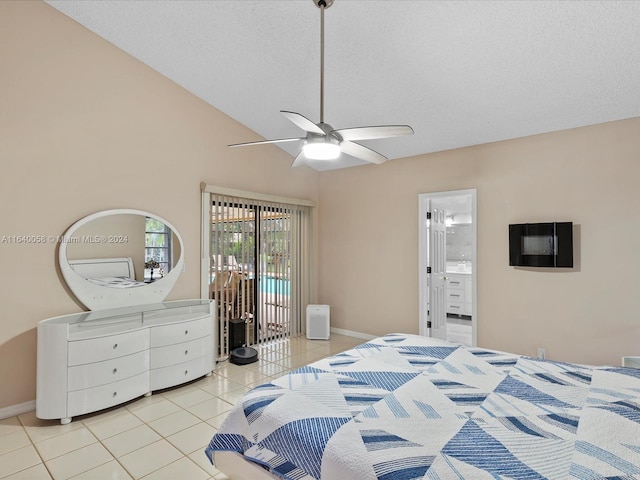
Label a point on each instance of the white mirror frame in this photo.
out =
(98, 297)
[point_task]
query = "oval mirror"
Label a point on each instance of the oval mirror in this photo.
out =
(118, 258)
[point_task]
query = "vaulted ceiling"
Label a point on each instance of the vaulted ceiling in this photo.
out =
(460, 73)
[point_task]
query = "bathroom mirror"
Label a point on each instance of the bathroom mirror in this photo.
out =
(118, 258)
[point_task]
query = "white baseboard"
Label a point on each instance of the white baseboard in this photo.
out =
(19, 409)
(349, 333)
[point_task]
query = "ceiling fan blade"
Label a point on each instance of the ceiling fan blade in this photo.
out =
(262, 142)
(303, 122)
(299, 160)
(361, 152)
(370, 133)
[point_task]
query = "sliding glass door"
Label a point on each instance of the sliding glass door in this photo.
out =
(258, 267)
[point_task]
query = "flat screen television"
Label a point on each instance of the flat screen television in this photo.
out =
(541, 244)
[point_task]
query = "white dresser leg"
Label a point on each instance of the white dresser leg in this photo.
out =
(148, 394)
(65, 421)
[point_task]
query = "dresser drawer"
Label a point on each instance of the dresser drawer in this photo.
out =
(181, 373)
(104, 396)
(104, 348)
(455, 295)
(455, 307)
(180, 352)
(181, 332)
(455, 284)
(107, 371)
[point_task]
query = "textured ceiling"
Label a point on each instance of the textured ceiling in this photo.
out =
(460, 73)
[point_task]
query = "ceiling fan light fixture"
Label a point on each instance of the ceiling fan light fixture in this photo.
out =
(321, 150)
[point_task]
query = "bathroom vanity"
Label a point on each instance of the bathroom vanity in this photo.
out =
(459, 293)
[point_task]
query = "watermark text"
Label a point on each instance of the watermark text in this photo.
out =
(90, 239)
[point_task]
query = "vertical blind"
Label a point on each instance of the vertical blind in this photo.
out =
(259, 269)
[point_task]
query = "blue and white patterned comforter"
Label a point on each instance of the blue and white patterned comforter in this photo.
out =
(407, 407)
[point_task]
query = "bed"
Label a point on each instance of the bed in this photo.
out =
(107, 272)
(409, 407)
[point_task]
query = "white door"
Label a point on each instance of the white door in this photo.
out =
(433, 264)
(437, 278)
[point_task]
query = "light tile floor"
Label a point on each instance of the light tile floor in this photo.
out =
(158, 437)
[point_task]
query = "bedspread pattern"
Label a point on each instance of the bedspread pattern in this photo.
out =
(409, 407)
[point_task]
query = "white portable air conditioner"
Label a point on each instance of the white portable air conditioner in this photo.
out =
(318, 322)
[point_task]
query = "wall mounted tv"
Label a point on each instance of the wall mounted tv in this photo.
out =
(541, 244)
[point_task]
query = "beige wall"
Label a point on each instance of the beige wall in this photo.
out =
(369, 241)
(85, 127)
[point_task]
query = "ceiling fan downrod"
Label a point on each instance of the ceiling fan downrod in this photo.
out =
(322, 5)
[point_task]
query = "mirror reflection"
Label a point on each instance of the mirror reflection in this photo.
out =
(154, 249)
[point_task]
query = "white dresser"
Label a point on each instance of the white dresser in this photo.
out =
(94, 360)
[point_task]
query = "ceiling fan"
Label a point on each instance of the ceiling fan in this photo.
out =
(322, 142)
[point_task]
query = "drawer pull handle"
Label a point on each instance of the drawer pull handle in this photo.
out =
(455, 306)
(186, 332)
(454, 295)
(115, 394)
(186, 352)
(186, 372)
(115, 370)
(115, 346)
(454, 283)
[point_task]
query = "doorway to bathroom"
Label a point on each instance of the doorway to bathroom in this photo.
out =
(447, 265)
